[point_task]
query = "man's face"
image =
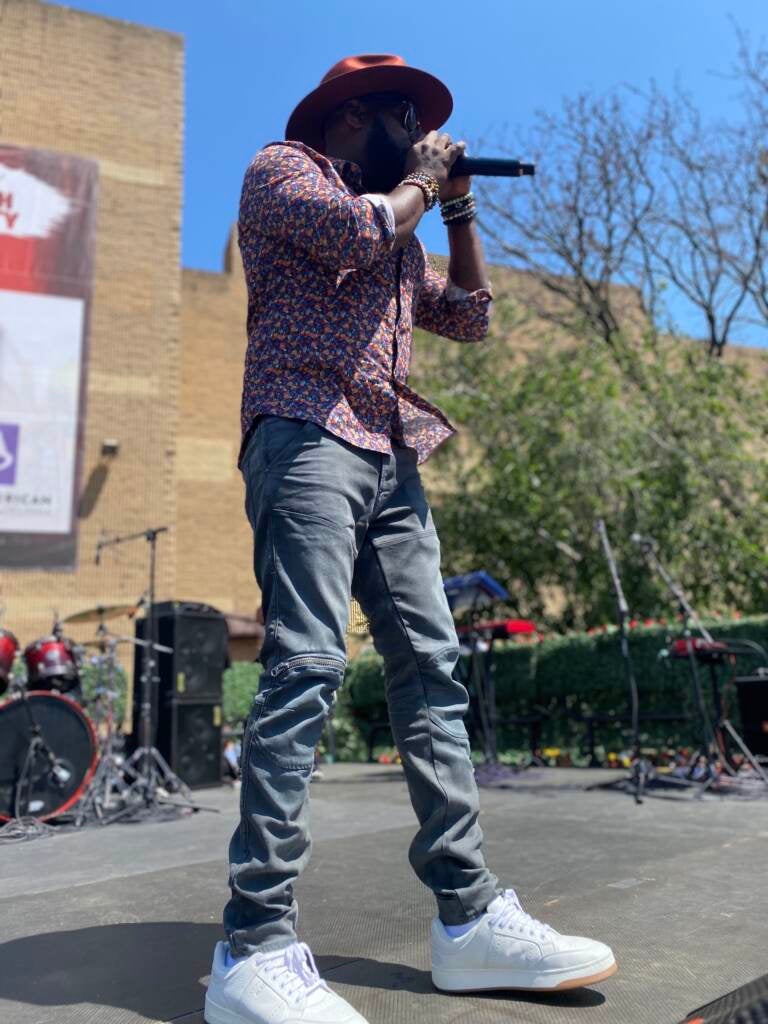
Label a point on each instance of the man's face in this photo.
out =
(393, 130)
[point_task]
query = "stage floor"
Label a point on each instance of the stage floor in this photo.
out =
(116, 925)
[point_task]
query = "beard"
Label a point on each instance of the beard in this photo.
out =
(384, 160)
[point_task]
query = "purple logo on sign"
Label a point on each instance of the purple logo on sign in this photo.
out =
(9, 451)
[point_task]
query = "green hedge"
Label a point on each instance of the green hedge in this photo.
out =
(567, 676)
(562, 676)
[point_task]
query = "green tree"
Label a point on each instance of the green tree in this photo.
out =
(655, 437)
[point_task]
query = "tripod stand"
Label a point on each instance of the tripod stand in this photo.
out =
(108, 773)
(640, 770)
(713, 749)
(152, 778)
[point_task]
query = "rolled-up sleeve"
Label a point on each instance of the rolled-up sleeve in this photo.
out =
(285, 195)
(452, 312)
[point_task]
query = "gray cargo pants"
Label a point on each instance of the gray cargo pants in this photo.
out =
(330, 520)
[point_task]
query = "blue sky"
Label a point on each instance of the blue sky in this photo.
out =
(248, 62)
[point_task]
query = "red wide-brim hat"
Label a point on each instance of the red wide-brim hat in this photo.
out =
(363, 74)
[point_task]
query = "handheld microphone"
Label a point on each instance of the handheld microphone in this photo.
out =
(490, 167)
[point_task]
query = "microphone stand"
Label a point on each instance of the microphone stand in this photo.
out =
(153, 777)
(710, 750)
(641, 770)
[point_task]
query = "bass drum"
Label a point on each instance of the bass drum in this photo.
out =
(41, 789)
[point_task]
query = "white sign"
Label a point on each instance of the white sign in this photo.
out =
(40, 365)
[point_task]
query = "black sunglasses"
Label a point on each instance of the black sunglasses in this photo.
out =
(407, 113)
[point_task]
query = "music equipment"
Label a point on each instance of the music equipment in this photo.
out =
(186, 709)
(752, 697)
(51, 664)
(9, 647)
(705, 651)
(719, 740)
(198, 635)
(48, 754)
(500, 629)
(470, 593)
(473, 590)
(102, 612)
(189, 737)
(490, 167)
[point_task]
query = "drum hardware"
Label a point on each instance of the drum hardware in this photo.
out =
(712, 757)
(108, 775)
(9, 649)
(152, 779)
(38, 780)
(51, 661)
(102, 612)
(472, 593)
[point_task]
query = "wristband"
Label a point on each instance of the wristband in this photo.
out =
(428, 185)
(449, 204)
(460, 210)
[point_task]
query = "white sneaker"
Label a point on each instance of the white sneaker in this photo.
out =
(282, 987)
(510, 949)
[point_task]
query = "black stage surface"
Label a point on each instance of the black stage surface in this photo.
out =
(116, 925)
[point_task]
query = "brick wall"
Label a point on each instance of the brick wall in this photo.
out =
(75, 83)
(214, 538)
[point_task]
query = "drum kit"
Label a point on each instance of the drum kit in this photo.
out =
(58, 749)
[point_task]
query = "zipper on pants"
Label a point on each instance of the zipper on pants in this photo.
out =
(307, 659)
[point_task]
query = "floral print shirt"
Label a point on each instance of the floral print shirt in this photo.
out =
(331, 307)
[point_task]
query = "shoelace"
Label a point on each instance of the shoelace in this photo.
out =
(294, 972)
(512, 913)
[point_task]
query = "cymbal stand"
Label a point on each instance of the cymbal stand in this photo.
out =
(710, 749)
(108, 773)
(640, 770)
(152, 776)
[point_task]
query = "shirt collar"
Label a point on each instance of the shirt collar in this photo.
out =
(349, 172)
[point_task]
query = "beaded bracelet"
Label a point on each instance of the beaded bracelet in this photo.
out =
(459, 214)
(450, 204)
(464, 218)
(428, 185)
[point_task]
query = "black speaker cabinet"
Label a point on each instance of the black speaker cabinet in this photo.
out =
(189, 737)
(186, 709)
(752, 694)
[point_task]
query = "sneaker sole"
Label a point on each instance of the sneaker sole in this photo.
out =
(520, 981)
(214, 1014)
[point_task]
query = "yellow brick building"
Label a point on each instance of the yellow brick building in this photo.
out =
(77, 84)
(166, 344)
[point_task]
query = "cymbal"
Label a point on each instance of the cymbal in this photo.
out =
(102, 612)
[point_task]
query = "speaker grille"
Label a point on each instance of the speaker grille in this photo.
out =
(198, 744)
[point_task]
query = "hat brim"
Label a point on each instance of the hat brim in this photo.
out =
(433, 99)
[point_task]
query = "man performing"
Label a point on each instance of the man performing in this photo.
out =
(332, 437)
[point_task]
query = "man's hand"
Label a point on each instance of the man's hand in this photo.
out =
(435, 155)
(455, 187)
